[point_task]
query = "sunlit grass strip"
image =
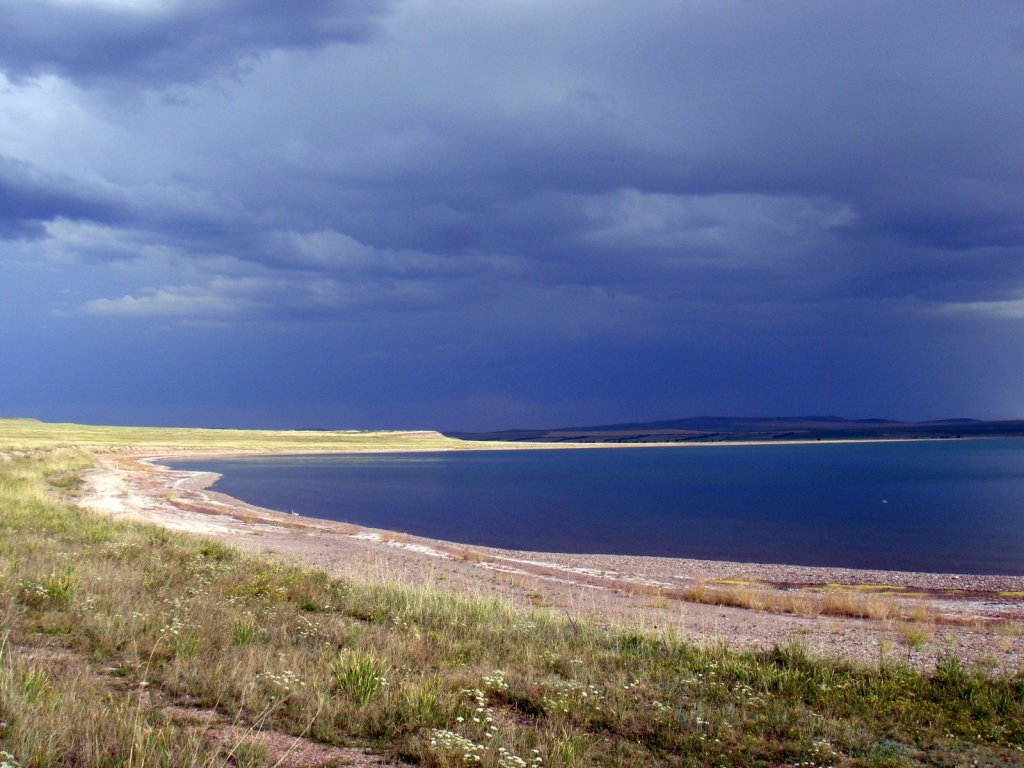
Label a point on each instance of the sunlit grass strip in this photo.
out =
(439, 678)
(887, 588)
(28, 434)
(836, 601)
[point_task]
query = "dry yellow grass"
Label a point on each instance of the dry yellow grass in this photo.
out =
(29, 434)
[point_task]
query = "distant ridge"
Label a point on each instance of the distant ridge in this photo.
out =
(730, 422)
(710, 429)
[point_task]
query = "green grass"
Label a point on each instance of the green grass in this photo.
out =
(94, 612)
(358, 674)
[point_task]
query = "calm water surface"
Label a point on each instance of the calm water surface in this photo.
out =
(948, 506)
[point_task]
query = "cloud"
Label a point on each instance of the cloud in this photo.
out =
(286, 297)
(165, 41)
(177, 303)
(68, 239)
(32, 197)
(809, 183)
(335, 252)
(459, 145)
(746, 226)
(221, 298)
(1011, 309)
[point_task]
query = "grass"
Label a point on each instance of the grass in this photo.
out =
(358, 674)
(868, 587)
(835, 602)
(104, 625)
(915, 635)
(29, 434)
(468, 555)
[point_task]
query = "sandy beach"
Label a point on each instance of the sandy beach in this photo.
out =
(913, 617)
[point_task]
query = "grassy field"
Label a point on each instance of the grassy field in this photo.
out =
(31, 434)
(126, 645)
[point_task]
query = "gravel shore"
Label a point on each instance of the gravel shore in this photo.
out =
(980, 619)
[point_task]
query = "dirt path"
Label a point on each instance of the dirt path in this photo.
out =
(920, 617)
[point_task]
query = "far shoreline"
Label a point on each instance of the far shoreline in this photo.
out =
(157, 453)
(494, 445)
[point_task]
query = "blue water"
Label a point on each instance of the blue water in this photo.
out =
(947, 506)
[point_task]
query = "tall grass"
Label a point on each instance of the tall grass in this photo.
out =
(136, 618)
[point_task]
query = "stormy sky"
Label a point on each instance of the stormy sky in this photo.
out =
(479, 214)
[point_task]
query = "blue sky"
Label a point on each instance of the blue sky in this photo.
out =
(474, 215)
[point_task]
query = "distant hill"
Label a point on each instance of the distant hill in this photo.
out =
(708, 429)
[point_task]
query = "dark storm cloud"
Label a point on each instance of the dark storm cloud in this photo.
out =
(168, 40)
(694, 206)
(899, 125)
(825, 150)
(29, 198)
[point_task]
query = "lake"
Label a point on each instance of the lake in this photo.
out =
(946, 505)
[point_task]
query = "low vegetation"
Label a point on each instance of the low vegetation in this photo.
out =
(32, 434)
(837, 600)
(114, 635)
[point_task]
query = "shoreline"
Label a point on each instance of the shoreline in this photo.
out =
(200, 481)
(775, 574)
(962, 611)
(784, 573)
